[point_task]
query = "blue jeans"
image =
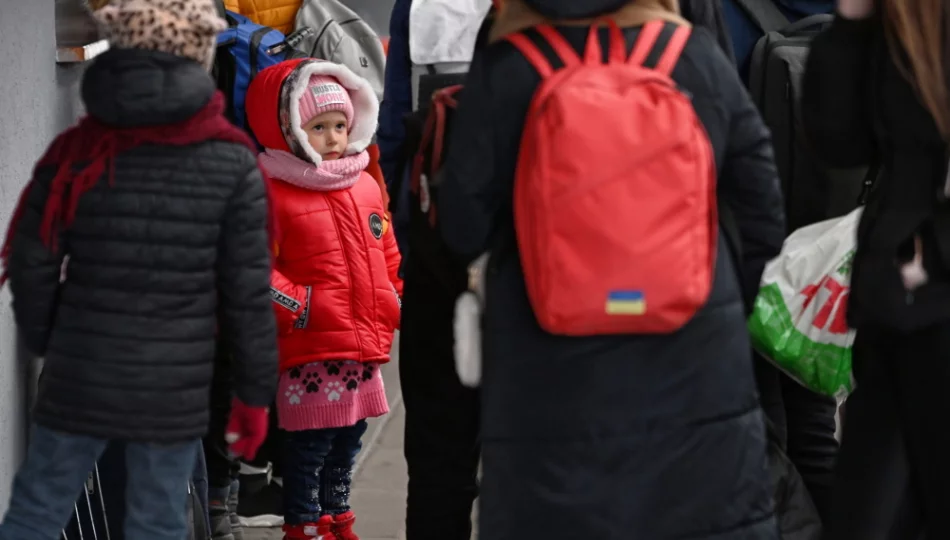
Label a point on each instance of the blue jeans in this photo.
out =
(57, 466)
(318, 472)
(200, 479)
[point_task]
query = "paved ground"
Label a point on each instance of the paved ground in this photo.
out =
(379, 489)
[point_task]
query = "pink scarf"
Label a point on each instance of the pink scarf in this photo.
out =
(328, 176)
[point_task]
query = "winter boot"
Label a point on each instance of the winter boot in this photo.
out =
(219, 514)
(343, 527)
(310, 531)
(236, 529)
(260, 499)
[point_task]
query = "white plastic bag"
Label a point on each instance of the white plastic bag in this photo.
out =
(799, 318)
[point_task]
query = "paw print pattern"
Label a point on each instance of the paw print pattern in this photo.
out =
(333, 390)
(367, 373)
(294, 373)
(352, 379)
(333, 368)
(293, 394)
(311, 382)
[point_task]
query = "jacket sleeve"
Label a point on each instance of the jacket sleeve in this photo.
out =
(244, 267)
(470, 194)
(397, 97)
(393, 259)
(34, 271)
(835, 107)
(291, 302)
(749, 184)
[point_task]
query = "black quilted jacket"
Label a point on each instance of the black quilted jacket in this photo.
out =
(615, 437)
(129, 336)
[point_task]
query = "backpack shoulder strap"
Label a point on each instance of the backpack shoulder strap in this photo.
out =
(765, 14)
(534, 55)
(531, 52)
(647, 39)
(674, 48)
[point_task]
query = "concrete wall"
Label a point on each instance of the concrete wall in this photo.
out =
(37, 100)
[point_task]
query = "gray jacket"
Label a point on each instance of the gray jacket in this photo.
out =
(341, 36)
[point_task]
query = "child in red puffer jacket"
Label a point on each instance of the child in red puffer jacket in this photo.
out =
(334, 283)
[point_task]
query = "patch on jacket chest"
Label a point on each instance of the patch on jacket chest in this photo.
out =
(376, 225)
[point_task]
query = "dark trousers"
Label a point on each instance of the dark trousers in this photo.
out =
(222, 468)
(804, 422)
(442, 416)
(892, 474)
(318, 472)
(57, 467)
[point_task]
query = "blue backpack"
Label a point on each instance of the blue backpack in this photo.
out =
(245, 49)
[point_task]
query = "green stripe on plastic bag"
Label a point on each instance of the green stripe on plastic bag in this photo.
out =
(821, 367)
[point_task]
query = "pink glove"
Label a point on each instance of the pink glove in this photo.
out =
(247, 429)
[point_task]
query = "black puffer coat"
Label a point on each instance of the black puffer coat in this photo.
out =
(129, 337)
(622, 437)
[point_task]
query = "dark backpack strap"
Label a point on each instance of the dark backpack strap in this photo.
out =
(433, 144)
(765, 14)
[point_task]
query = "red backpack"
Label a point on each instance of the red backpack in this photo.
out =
(615, 190)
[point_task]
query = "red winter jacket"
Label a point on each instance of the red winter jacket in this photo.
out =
(334, 284)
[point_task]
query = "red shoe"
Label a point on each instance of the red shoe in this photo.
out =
(310, 531)
(343, 527)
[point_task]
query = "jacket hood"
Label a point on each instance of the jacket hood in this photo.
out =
(274, 116)
(127, 88)
(575, 9)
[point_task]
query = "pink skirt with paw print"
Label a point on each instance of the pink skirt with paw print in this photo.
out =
(325, 395)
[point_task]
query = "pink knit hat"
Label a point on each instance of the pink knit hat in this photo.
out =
(325, 94)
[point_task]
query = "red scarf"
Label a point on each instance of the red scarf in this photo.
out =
(96, 145)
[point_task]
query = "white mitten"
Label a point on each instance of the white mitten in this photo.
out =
(468, 325)
(468, 339)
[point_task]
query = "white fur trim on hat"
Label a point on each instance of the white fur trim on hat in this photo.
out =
(365, 106)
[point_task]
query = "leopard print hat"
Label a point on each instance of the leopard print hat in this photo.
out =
(185, 28)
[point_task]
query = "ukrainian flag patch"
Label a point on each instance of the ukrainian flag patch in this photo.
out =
(626, 303)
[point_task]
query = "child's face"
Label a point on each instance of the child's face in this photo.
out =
(327, 134)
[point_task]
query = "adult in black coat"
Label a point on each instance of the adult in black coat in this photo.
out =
(875, 91)
(625, 436)
(141, 237)
(175, 243)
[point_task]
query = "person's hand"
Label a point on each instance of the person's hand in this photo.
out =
(855, 9)
(247, 429)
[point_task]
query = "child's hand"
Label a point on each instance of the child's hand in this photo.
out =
(247, 429)
(855, 9)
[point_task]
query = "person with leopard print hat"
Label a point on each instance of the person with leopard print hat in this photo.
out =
(141, 239)
(335, 287)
